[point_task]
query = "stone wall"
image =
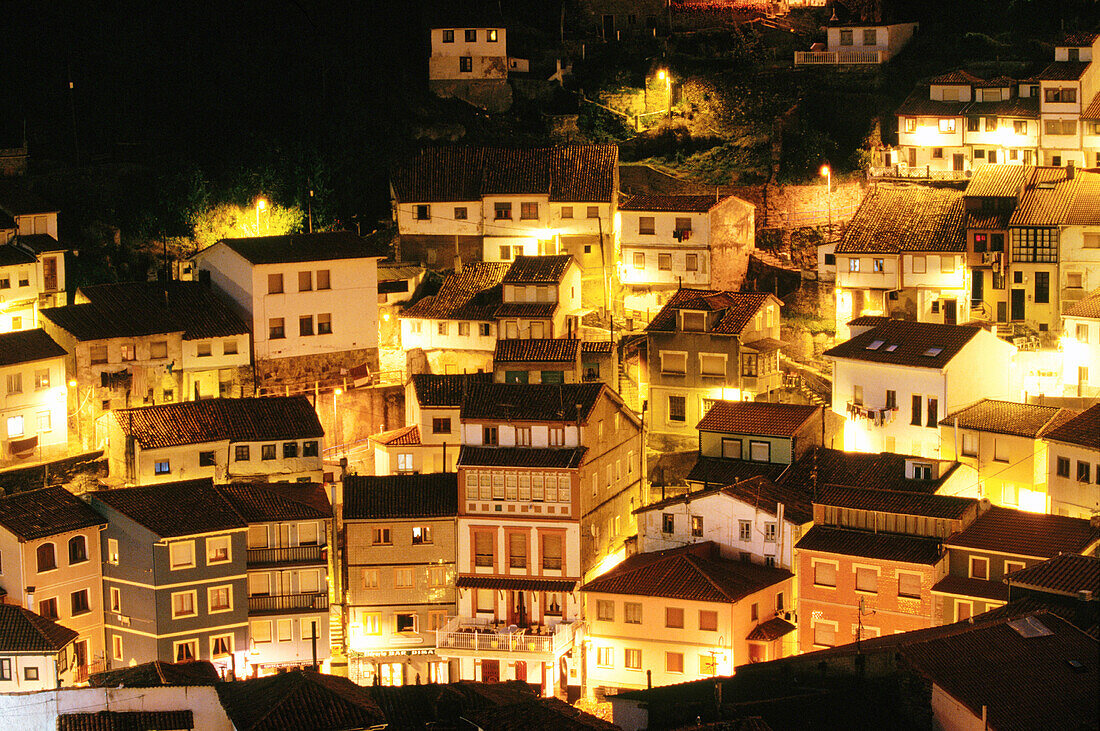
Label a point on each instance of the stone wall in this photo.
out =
(309, 372)
(359, 413)
(438, 252)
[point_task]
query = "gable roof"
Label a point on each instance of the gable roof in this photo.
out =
(134, 309)
(156, 673)
(1004, 417)
(1026, 534)
(12, 255)
(957, 77)
(918, 344)
(1088, 307)
(547, 713)
(253, 419)
(472, 294)
(445, 390)
(900, 502)
(721, 471)
(406, 436)
(1084, 211)
(1047, 197)
(671, 203)
(995, 181)
(579, 173)
(263, 502)
(1068, 574)
(172, 509)
(296, 700)
(538, 269)
(1063, 71)
(552, 458)
(125, 720)
(907, 218)
(432, 495)
(322, 246)
(877, 546)
(1092, 111)
(21, 630)
(27, 346)
(1082, 430)
(1016, 678)
(884, 470)
(531, 401)
(693, 573)
(40, 243)
(758, 492)
(536, 350)
(47, 511)
(737, 309)
(920, 104)
(757, 417)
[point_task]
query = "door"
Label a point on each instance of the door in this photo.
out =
(1018, 296)
(912, 157)
(992, 157)
(609, 27)
(80, 660)
(977, 292)
(521, 670)
(490, 671)
(1002, 311)
(950, 312)
(957, 161)
(49, 273)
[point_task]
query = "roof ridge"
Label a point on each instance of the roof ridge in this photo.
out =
(694, 559)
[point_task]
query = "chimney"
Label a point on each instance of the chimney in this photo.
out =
(30, 598)
(1070, 170)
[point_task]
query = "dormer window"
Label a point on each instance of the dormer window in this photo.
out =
(932, 352)
(891, 348)
(875, 344)
(693, 321)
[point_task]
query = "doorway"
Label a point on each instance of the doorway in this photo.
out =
(977, 291)
(958, 161)
(609, 27)
(1018, 296)
(950, 312)
(912, 157)
(490, 671)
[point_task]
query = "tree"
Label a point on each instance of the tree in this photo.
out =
(230, 221)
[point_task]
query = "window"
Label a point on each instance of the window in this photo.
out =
(677, 408)
(1042, 287)
(674, 662)
(909, 585)
(673, 362)
(305, 325)
(405, 622)
(437, 576)
(974, 124)
(5, 668)
(162, 467)
(708, 620)
(528, 211)
(112, 551)
(632, 659)
(219, 599)
(824, 634)
(668, 523)
(979, 568)
(646, 226)
(760, 451)
(403, 577)
(489, 436)
(691, 262)
(824, 574)
(744, 531)
(47, 560)
(917, 403)
(186, 651)
(372, 623)
(866, 580)
(603, 657)
(240, 453)
(870, 36)
(276, 328)
(933, 412)
(48, 608)
(853, 264)
(15, 426)
(221, 645)
(483, 549)
(158, 350)
(370, 578)
(15, 383)
(181, 555)
(1060, 126)
(423, 212)
(380, 536)
(260, 631)
(632, 612)
(877, 265)
(217, 550)
(947, 126)
(593, 211)
(910, 125)
(697, 526)
(517, 551)
(309, 449)
(465, 64)
(769, 532)
(693, 321)
(502, 211)
(552, 552)
(639, 260)
(274, 283)
(78, 550)
(947, 264)
(605, 610)
(305, 281)
(449, 35)
(846, 37)
(116, 599)
(557, 436)
(664, 262)
(471, 36)
(969, 444)
(937, 153)
(1084, 470)
(674, 617)
(183, 604)
(1034, 245)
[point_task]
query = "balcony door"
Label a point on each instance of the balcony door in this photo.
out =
(950, 312)
(518, 613)
(958, 161)
(490, 671)
(1018, 297)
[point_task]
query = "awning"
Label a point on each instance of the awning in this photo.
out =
(770, 630)
(514, 583)
(764, 345)
(23, 447)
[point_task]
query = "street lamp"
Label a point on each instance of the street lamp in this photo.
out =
(827, 173)
(261, 205)
(666, 77)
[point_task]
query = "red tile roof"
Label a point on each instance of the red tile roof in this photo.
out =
(736, 308)
(48, 511)
(1082, 430)
(1047, 197)
(125, 720)
(553, 458)
(514, 583)
(472, 294)
(265, 502)
(907, 218)
(1003, 417)
(299, 700)
(759, 492)
(538, 269)
(671, 203)
(171, 509)
(432, 495)
(1066, 574)
(26, 346)
(543, 310)
(956, 77)
(1021, 533)
(694, 573)
(406, 436)
(995, 181)
(920, 104)
(1092, 111)
(770, 630)
(885, 470)
(900, 502)
(720, 471)
(541, 350)
(445, 390)
(915, 344)
(757, 417)
(1084, 210)
(22, 630)
(270, 418)
(865, 544)
(531, 401)
(577, 173)
(1064, 71)
(157, 673)
(965, 586)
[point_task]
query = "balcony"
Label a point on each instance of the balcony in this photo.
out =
(258, 557)
(287, 603)
(480, 636)
(836, 58)
(874, 417)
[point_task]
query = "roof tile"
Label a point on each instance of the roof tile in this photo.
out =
(212, 420)
(1003, 417)
(472, 294)
(556, 458)
(299, 700)
(757, 417)
(1026, 534)
(538, 269)
(21, 630)
(1082, 430)
(264, 502)
(322, 246)
(904, 218)
(445, 390)
(918, 344)
(48, 511)
(536, 350)
(172, 509)
(125, 720)
(901, 502)
(878, 546)
(671, 203)
(530, 401)
(736, 309)
(1066, 574)
(433, 495)
(26, 346)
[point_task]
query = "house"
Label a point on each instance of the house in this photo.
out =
(614, 20)
(1066, 584)
(311, 300)
(287, 562)
(998, 543)
(868, 565)
(399, 553)
(936, 368)
(456, 204)
(270, 439)
(1080, 343)
(883, 470)
(541, 298)
(174, 575)
(50, 548)
(1073, 465)
(904, 255)
(33, 651)
(705, 346)
(33, 410)
(30, 223)
(397, 284)
(859, 43)
(990, 198)
(760, 432)
(1067, 86)
(682, 614)
(148, 343)
(543, 360)
(469, 60)
(19, 288)
(770, 519)
(672, 241)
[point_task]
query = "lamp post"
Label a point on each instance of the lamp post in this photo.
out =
(261, 205)
(827, 173)
(666, 77)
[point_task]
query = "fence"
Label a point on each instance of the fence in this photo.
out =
(899, 172)
(836, 58)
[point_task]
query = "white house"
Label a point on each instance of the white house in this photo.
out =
(1073, 465)
(32, 651)
(1067, 87)
(859, 43)
(894, 382)
(541, 298)
(165, 707)
(471, 62)
(272, 439)
(310, 299)
(1081, 347)
(33, 396)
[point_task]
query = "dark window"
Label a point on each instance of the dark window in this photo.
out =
(528, 210)
(441, 426)
(78, 549)
(846, 37)
(309, 449)
(423, 212)
(1042, 287)
(267, 451)
(240, 453)
(677, 408)
(465, 64)
(206, 459)
(502, 211)
(697, 525)
(48, 608)
(490, 435)
(915, 418)
(305, 325)
(47, 561)
(668, 523)
(471, 35)
(830, 260)
(973, 124)
(290, 450)
(79, 600)
(5, 668)
(1084, 470)
(980, 242)
(933, 413)
(449, 35)
(891, 399)
(1063, 467)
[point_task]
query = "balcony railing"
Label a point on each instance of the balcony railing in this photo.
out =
(874, 417)
(278, 603)
(289, 555)
(835, 58)
(474, 635)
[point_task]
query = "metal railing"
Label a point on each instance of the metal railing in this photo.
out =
(288, 555)
(924, 172)
(287, 603)
(476, 635)
(836, 58)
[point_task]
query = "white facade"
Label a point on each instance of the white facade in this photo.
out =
(33, 403)
(478, 218)
(665, 248)
(1069, 492)
(468, 53)
(1080, 346)
(19, 289)
(39, 711)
